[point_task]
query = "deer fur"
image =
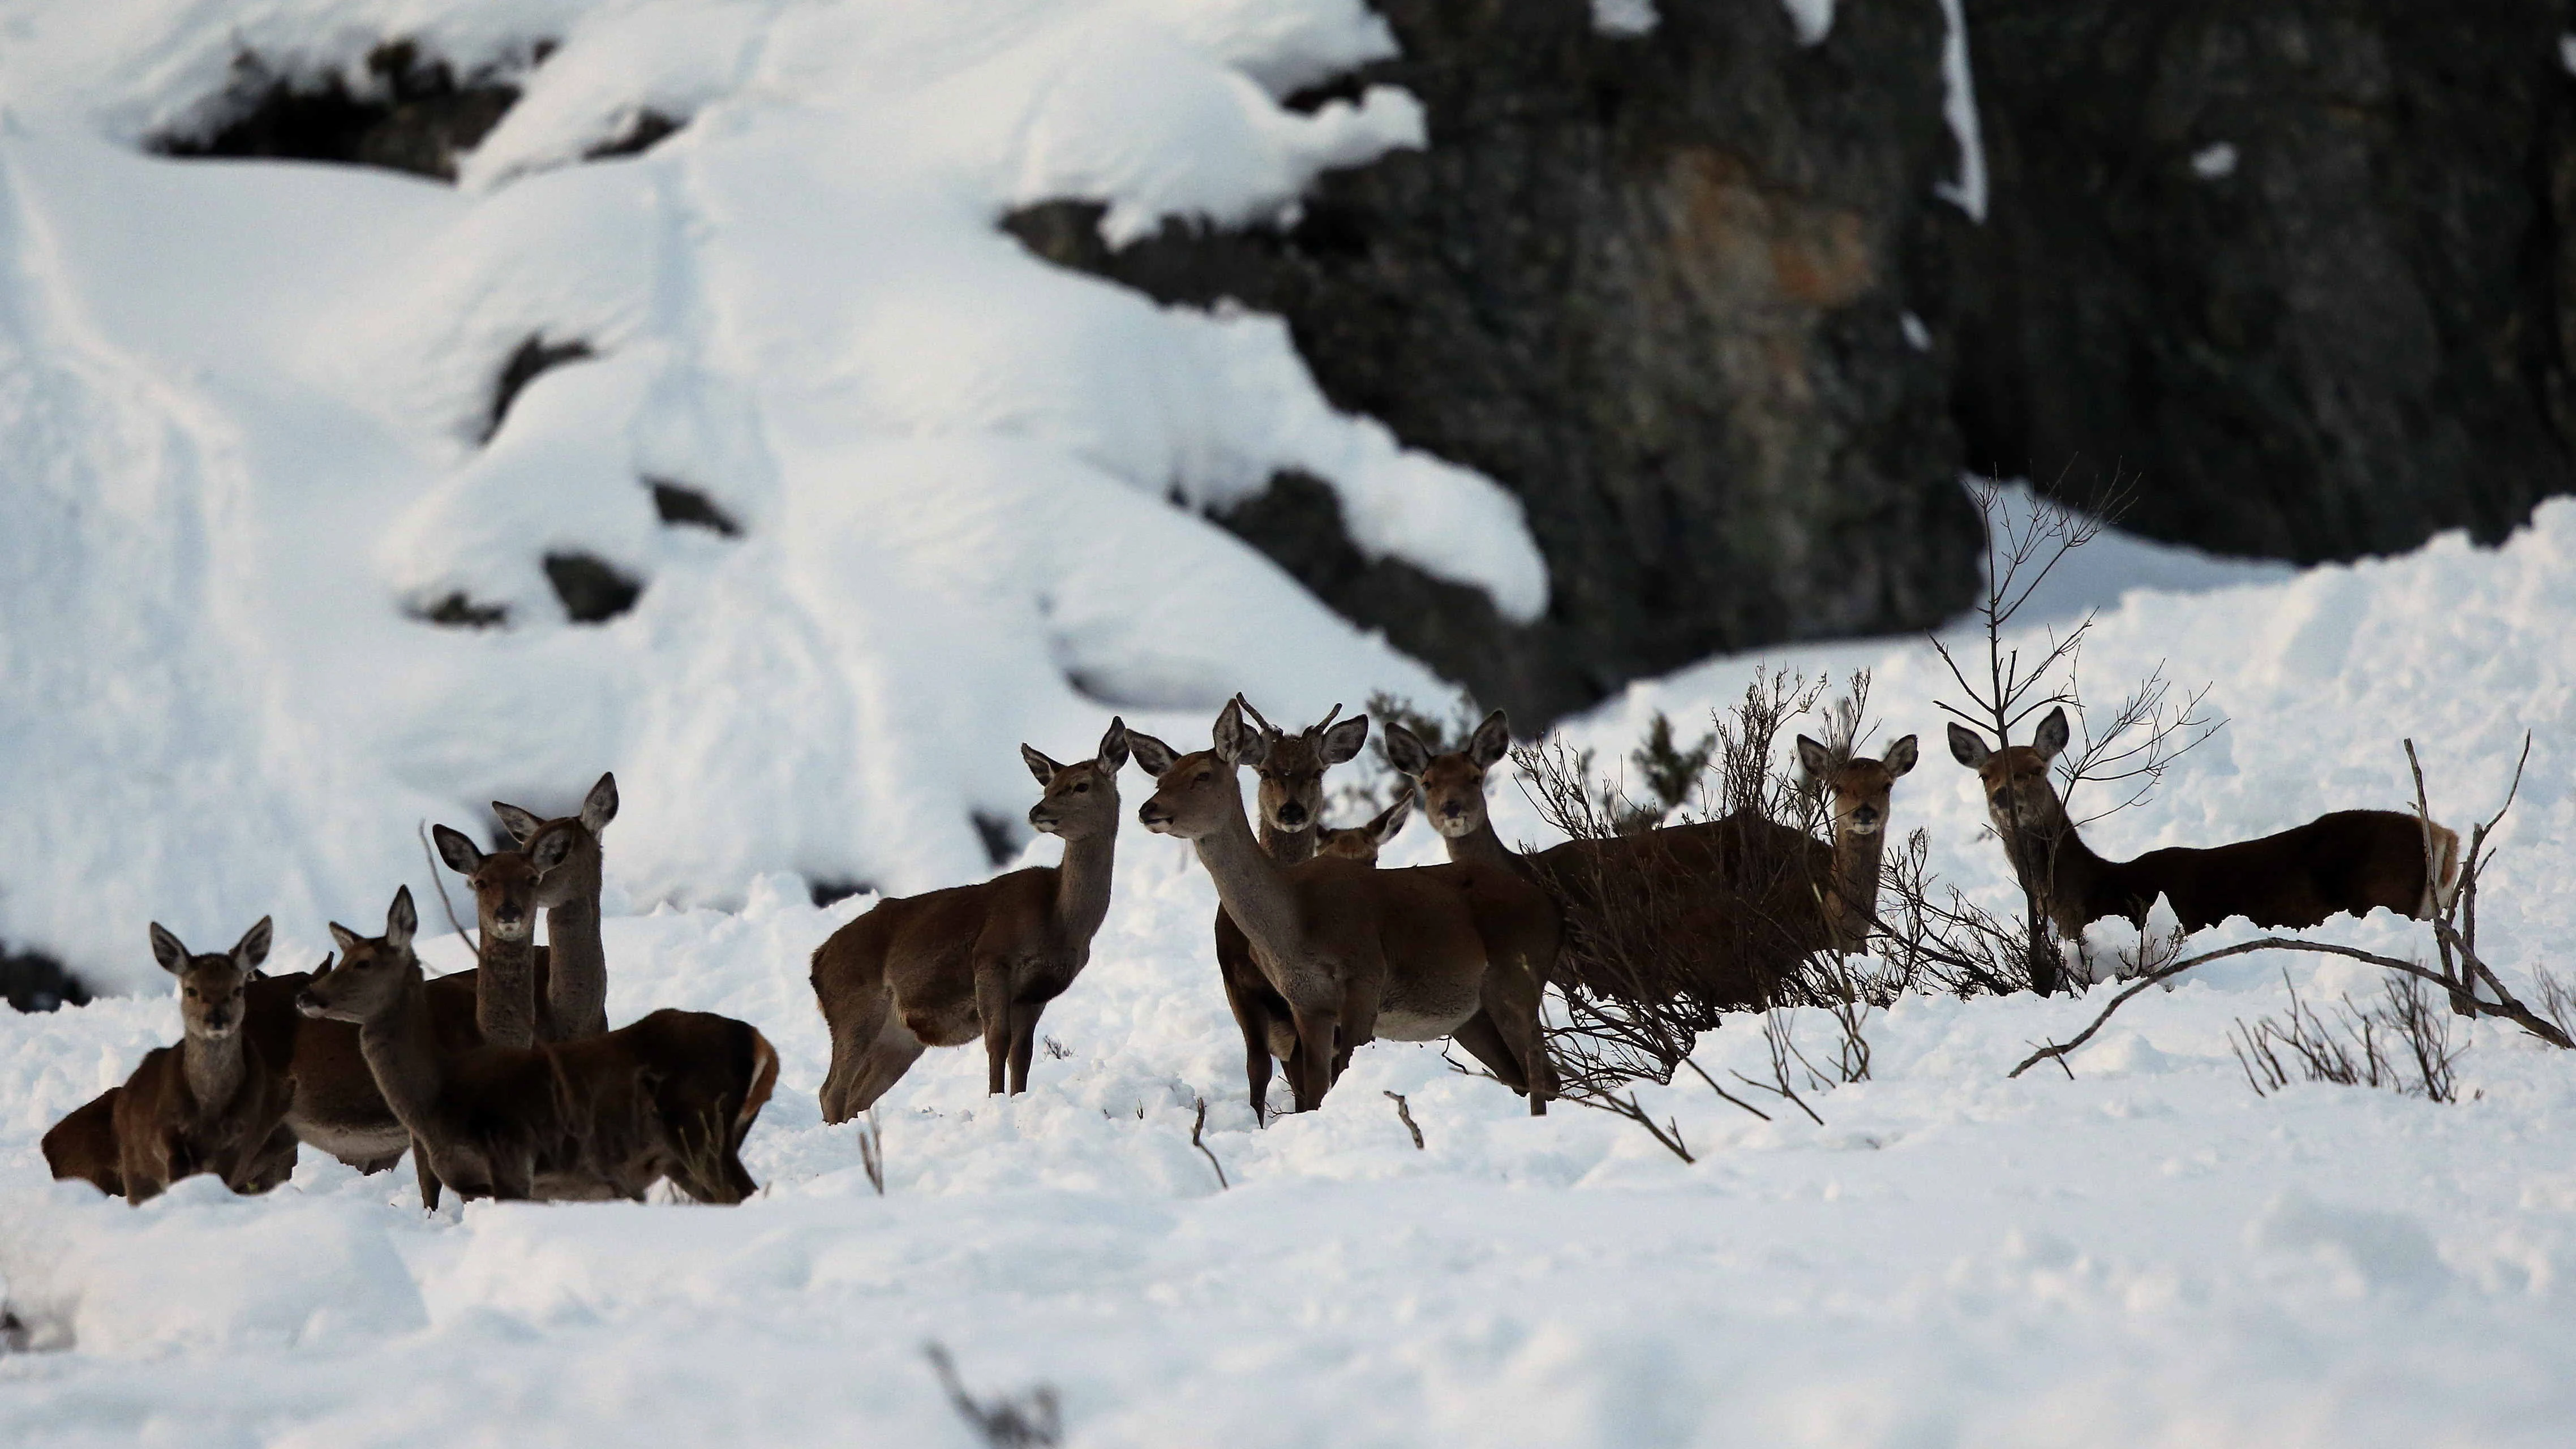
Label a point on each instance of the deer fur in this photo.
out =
(213, 1103)
(2346, 861)
(1460, 951)
(566, 852)
(1743, 899)
(671, 1096)
(1361, 843)
(83, 1145)
(975, 961)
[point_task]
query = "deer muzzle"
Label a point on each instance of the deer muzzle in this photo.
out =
(1155, 816)
(308, 1004)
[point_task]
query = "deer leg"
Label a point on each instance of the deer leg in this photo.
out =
(1311, 1072)
(993, 1011)
(1359, 1020)
(1253, 1019)
(1024, 1041)
(428, 1176)
(1513, 1004)
(1485, 1042)
(855, 1041)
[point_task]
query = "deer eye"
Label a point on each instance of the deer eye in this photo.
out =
(1205, 776)
(1082, 789)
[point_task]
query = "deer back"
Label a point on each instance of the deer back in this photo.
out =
(2346, 861)
(83, 1145)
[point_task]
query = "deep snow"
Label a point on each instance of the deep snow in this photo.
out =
(237, 411)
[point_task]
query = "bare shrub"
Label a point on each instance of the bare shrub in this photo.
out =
(1032, 1419)
(2402, 1043)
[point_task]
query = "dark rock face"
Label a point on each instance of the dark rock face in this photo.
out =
(32, 981)
(592, 590)
(2286, 263)
(1654, 287)
(413, 115)
(534, 358)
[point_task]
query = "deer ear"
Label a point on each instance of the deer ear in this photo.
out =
(600, 805)
(1391, 819)
(1968, 747)
(1343, 741)
(552, 849)
(1152, 755)
(401, 920)
(518, 822)
(1238, 743)
(347, 938)
(1899, 757)
(462, 855)
(1813, 758)
(252, 948)
(1491, 741)
(1406, 753)
(2051, 736)
(167, 950)
(1039, 765)
(1112, 754)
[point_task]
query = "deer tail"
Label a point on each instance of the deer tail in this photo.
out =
(764, 1078)
(2441, 871)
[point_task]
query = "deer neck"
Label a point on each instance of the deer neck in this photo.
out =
(214, 1068)
(402, 1055)
(1857, 860)
(1082, 883)
(576, 966)
(505, 990)
(1482, 846)
(1290, 847)
(1248, 881)
(2056, 865)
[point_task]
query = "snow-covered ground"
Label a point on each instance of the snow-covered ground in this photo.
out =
(239, 409)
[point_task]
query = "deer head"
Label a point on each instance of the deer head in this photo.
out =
(509, 885)
(373, 971)
(1452, 785)
(210, 987)
(1362, 842)
(1859, 785)
(2020, 798)
(1081, 798)
(1195, 793)
(1291, 795)
(565, 849)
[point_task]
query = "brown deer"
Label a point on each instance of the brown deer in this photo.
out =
(2348, 860)
(1461, 951)
(1289, 803)
(1739, 901)
(213, 1103)
(973, 961)
(83, 1145)
(566, 853)
(671, 1096)
(1362, 842)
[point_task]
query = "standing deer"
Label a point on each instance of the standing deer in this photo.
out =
(511, 970)
(566, 852)
(2348, 860)
(1289, 799)
(1736, 903)
(983, 960)
(671, 1096)
(213, 1103)
(1461, 951)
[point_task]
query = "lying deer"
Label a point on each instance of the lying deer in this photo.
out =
(566, 853)
(974, 961)
(2345, 861)
(671, 1096)
(1461, 951)
(1738, 901)
(213, 1103)
(83, 1145)
(1289, 799)
(1362, 842)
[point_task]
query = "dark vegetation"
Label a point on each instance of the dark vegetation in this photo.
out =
(404, 111)
(34, 981)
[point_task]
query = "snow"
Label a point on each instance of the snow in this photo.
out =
(1812, 19)
(1626, 18)
(240, 406)
(1959, 108)
(2214, 162)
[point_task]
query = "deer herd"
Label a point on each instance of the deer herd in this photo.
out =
(506, 1081)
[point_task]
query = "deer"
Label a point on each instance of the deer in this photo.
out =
(576, 968)
(1362, 842)
(513, 1005)
(1743, 899)
(214, 1103)
(83, 1146)
(1289, 799)
(2342, 861)
(1458, 951)
(670, 1097)
(981, 961)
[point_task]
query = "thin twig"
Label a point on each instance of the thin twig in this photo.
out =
(440, 881)
(1198, 1124)
(1404, 1114)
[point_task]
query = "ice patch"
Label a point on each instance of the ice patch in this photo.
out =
(1812, 19)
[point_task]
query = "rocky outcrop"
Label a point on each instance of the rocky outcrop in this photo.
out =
(1654, 286)
(408, 113)
(2287, 265)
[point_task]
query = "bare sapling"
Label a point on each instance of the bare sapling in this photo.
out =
(670, 1097)
(1289, 801)
(1460, 950)
(567, 853)
(2401, 1043)
(975, 962)
(214, 1103)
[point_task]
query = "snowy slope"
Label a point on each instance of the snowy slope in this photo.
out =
(241, 408)
(2147, 1254)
